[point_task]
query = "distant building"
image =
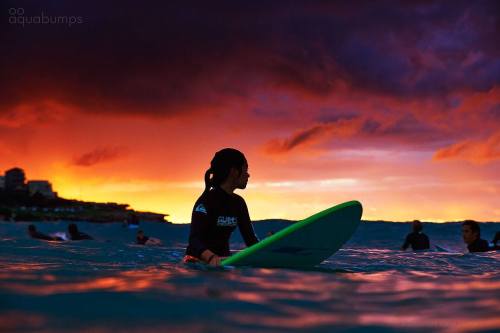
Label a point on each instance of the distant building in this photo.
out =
(14, 179)
(41, 186)
(2, 182)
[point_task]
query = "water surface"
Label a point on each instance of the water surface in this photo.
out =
(113, 285)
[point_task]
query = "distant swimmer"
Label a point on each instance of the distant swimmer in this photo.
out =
(145, 240)
(218, 211)
(38, 235)
(496, 241)
(471, 233)
(74, 234)
(132, 221)
(417, 239)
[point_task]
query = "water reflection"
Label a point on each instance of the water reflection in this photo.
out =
(387, 290)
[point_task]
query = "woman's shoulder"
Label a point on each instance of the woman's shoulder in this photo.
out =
(238, 197)
(206, 199)
(215, 198)
(239, 200)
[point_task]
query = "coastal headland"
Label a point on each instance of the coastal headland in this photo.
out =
(34, 200)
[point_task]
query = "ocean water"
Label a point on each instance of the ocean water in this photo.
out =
(112, 285)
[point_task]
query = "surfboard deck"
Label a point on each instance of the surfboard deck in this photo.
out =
(305, 243)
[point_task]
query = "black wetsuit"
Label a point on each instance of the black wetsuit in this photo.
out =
(479, 245)
(417, 240)
(80, 236)
(215, 216)
(39, 235)
(143, 240)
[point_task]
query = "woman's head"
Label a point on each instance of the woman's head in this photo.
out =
(227, 163)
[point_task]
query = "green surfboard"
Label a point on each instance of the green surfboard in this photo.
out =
(305, 243)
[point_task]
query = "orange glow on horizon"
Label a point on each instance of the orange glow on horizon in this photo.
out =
(153, 164)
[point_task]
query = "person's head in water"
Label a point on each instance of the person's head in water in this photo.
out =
(228, 169)
(470, 231)
(31, 229)
(140, 234)
(416, 226)
(497, 238)
(72, 229)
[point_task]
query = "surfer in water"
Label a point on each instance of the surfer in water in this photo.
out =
(38, 235)
(496, 241)
(417, 239)
(218, 211)
(142, 239)
(471, 233)
(74, 234)
(132, 221)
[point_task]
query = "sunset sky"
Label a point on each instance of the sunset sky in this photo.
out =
(394, 104)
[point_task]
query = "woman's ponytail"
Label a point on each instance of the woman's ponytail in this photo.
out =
(208, 181)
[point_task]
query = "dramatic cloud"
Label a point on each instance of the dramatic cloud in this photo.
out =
(309, 90)
(32, 114)
(173, 57)
(405, 130)
(479, 152)
(97, 156)
(313, 135)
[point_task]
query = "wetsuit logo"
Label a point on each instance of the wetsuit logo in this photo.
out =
(227, 221)
(200, 209)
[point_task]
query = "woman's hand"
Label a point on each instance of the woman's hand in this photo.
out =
(214, 261)
(210, 258)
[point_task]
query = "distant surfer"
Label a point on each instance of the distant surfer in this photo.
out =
(132, 221)
(218, 211)
(38, 235)
(142, 239)
(75, 234)
(417, 239)
(496, 241)
(471, 233)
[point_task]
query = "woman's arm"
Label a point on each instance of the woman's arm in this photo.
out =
(199, 228)
(246, 228)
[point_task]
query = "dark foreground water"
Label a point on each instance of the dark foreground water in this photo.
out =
(112, 285)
